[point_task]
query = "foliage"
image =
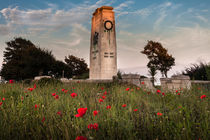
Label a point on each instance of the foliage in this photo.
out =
(61, 69)
(48, 112)
(159, 59)
(199, 71)
(119, 74)
(23, 60)
(82, 76)
(48, 81)
(77, 65)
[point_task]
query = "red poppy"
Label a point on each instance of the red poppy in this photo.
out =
(100, 100)
(3, 99)
(105, 92)
(108, 107)
(59, 113)
(80, 138)
(104, 97)
(102, 88)
(73, 95)
(63, 89)
(1, 103)
(138, 88)
(135, 110)
(163, 94)
(95, 112)
(203, 96)
(93, 126)
(124, 105)
(178, 93)
(158, 91)
(43, 119)
(159, 114)
(56, 97)
(81, 112)
(11, 81)
(30, 89)
(142, 83)
(127, 89)
(53, 94)
(36, 106)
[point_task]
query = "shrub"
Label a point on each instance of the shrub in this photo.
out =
(48, 81)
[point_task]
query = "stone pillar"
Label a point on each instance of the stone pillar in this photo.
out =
(103, 49)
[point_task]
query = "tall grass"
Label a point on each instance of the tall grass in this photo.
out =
(184, 116)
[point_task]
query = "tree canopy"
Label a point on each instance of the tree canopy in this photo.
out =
(159, 59)
(78, 65)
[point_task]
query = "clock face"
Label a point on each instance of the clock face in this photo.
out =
(108, 25)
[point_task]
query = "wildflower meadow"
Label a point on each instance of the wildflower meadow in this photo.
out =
(113, 111)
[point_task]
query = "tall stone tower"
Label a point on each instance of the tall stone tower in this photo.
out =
(103, 49)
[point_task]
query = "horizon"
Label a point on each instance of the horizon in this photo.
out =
(64, 27)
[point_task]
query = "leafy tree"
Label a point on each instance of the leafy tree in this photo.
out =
(159, 59)
(77, 65)
(199, 71)
(23, 60)
(61, 69)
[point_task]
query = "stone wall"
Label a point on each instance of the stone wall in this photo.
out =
(136, 79)
(175, 82)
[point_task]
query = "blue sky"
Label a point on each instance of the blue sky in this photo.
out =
(63, 26)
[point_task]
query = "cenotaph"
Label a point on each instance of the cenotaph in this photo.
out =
(103, 49)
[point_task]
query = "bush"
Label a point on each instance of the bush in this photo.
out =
(48, 81)
(27, 81)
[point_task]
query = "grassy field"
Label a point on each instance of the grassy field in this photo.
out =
(114, 112)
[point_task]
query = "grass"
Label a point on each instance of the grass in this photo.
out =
(184, 116)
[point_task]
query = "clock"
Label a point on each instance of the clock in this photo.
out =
(108, 25)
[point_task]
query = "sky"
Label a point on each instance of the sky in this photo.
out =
(63, 26)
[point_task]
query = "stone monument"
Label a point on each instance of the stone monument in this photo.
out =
(103, 49)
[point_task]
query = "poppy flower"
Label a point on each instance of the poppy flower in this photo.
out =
(11, 81)
(158, 91)
(127, 89)
(59, 113)
(30, 89)
(73, 95)
(43, 119)
(163, 94)
(142, 83)
(108, 107)
(3, 99)
(1, 103)
(138, 88)
(56, 97)
(81, 112)
(53, 94)
(93, 126)
(178, 93)
(95, 112)
(80, 138)
(124, 105)
(203, 96)
(102, 88)
(36, 106)
(105, 92)
(159, 114)
(104, 97)
(100, 100)
(135, 110)
(63, 89)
